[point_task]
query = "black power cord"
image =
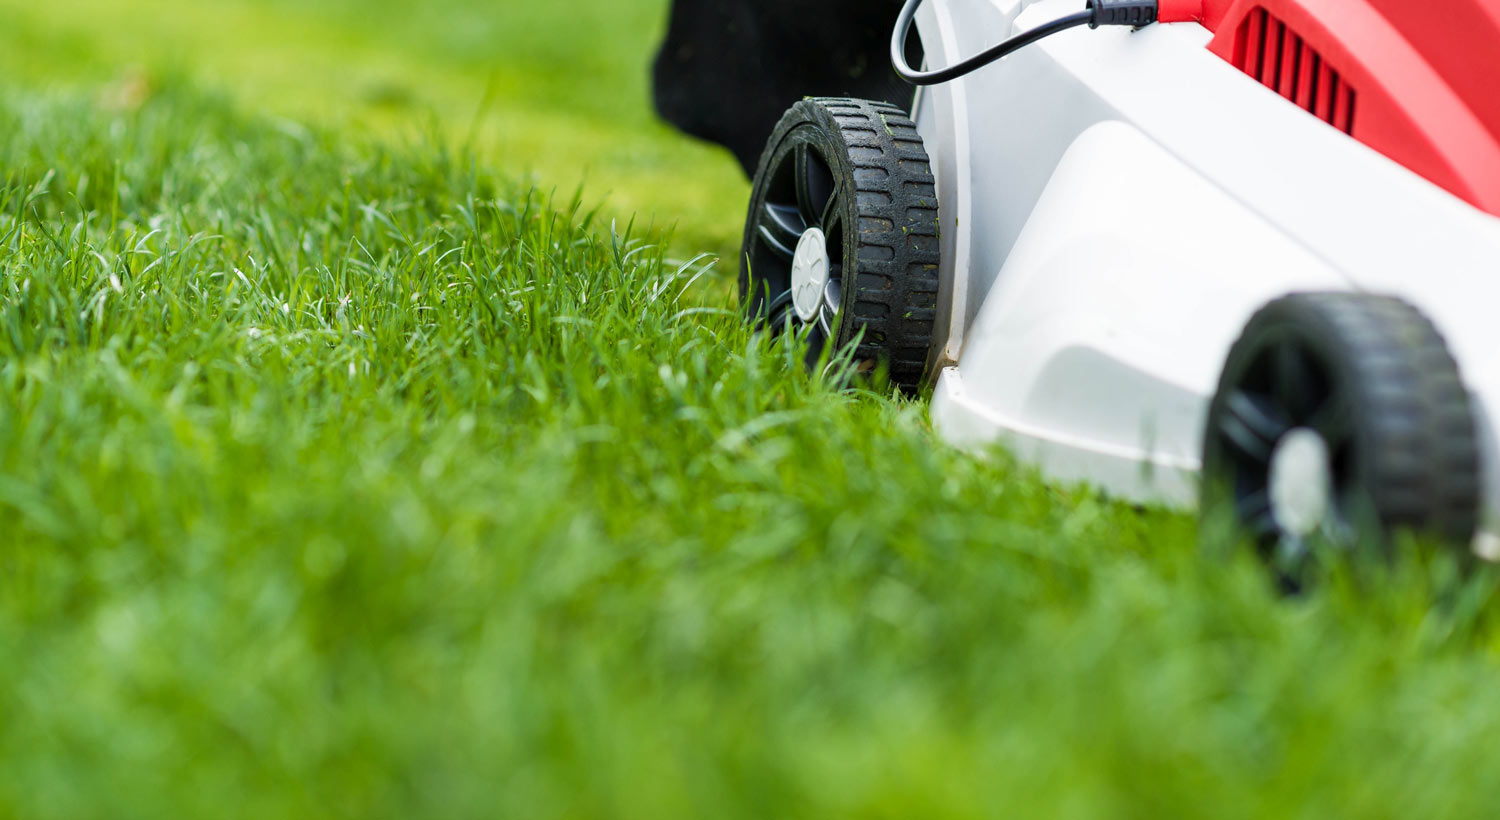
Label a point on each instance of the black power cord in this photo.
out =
(1099, 13)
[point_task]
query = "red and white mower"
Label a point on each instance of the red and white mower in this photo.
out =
(1237, 252)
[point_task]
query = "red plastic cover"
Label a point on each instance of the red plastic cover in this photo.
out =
(1413, 80)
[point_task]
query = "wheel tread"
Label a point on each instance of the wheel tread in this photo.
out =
(1418, 435)
(896, 203)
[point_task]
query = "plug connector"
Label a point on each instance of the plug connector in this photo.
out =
(1134, 13)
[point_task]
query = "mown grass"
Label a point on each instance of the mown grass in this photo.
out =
(343, 479)
(558, 91)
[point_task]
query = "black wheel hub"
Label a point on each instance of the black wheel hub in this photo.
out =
(1284, 433)
(799, 225)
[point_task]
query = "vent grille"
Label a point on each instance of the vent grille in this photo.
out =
(1271, 52)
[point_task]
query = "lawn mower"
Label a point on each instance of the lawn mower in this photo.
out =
(1235, 254)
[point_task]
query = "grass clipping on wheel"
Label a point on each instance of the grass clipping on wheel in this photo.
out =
(341, 478)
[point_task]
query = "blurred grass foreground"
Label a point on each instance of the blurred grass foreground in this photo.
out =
(352, 464)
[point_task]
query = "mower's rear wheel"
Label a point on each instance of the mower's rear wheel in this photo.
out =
(1340, 418)
(842, 234)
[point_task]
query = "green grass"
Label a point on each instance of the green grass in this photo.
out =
(344, 474)
(559, 91)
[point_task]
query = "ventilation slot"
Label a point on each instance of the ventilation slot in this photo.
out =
(1271, 52)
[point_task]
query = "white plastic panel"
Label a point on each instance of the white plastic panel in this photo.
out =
(1122, 201)
(1104, 335)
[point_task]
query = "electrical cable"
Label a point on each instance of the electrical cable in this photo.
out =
(1134, 13)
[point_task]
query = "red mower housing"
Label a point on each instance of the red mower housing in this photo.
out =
(1414, 81)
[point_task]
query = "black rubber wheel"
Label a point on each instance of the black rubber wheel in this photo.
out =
(1361, 386)
(848, 179)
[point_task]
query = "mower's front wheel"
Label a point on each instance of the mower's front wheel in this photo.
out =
(1341, 418)
(842, 234)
